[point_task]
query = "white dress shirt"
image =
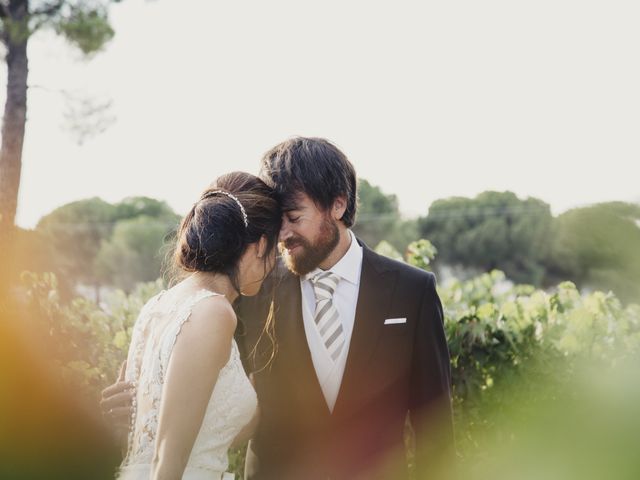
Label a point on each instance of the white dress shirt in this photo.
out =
(345, 299)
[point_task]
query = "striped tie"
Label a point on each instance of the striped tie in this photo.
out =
(326, 316)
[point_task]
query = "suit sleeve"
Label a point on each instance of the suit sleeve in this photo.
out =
(430, 400)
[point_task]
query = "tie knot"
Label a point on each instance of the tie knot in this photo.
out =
(324, 285)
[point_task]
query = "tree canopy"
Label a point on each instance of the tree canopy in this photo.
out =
(98, 243)
(379, 218)
(494, 230)
(599, 247)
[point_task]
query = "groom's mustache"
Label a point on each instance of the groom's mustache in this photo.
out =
(292, 243)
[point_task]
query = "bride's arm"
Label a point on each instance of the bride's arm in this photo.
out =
(201, 350)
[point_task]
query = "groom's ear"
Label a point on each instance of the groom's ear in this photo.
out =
(338, 208)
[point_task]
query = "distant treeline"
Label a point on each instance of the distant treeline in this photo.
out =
(95, 243)
(596, 247)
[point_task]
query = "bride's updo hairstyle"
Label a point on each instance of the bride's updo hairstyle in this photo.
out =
(234, 212)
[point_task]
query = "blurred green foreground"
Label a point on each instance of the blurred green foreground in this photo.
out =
(546, 383)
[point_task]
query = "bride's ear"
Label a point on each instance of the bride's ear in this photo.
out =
(262, 246)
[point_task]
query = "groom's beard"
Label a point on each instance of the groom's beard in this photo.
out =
(310, 254)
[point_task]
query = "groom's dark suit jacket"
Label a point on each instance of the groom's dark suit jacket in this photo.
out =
(392, 370)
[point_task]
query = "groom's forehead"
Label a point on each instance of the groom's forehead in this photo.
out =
(289, 204)
(296, 201)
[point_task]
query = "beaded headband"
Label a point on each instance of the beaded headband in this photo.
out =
(232, 197)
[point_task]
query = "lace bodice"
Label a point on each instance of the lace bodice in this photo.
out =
(232, 404)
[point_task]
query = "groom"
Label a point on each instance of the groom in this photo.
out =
(359, 340)
(357, 346)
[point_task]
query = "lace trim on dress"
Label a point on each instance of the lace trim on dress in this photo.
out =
(150, 379)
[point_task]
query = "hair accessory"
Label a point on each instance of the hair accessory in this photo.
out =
(232, 197)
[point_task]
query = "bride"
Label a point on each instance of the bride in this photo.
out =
(192, 396)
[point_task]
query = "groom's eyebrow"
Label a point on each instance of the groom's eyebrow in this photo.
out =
(290, 205)
(292, 208)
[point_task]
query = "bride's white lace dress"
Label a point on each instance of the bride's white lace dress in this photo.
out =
(232, 405)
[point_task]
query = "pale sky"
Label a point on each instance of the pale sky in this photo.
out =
(427, 99)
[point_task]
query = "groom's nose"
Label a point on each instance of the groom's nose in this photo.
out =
(285, 230)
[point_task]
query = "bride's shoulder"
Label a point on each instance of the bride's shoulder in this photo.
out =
(214, 314)
(207, 334)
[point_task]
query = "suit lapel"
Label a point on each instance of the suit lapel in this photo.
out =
(376, 288)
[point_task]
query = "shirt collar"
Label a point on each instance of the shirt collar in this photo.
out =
(348, 267)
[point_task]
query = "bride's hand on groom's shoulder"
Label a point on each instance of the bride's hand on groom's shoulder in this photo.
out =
(117, 404)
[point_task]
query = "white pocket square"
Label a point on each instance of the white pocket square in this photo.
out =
(393, 321)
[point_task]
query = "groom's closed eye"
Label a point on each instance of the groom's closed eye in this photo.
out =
(292, 215)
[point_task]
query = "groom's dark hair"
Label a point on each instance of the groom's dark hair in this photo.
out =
(314, 166)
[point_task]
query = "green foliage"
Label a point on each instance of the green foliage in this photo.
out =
(494, 230)
(86, 342)
(86, 27)
(97, 243)
(373, 200)
(514, 349)
(388, 250)
(599, 247)
(17, 31)
(25, 250)
(587, 428)
(236, 461)
(84, 23)
(379, 218)
(134, 252)
(133, 207)
(501, 335)
(420, 253)
(75, 232)
(596, 247)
